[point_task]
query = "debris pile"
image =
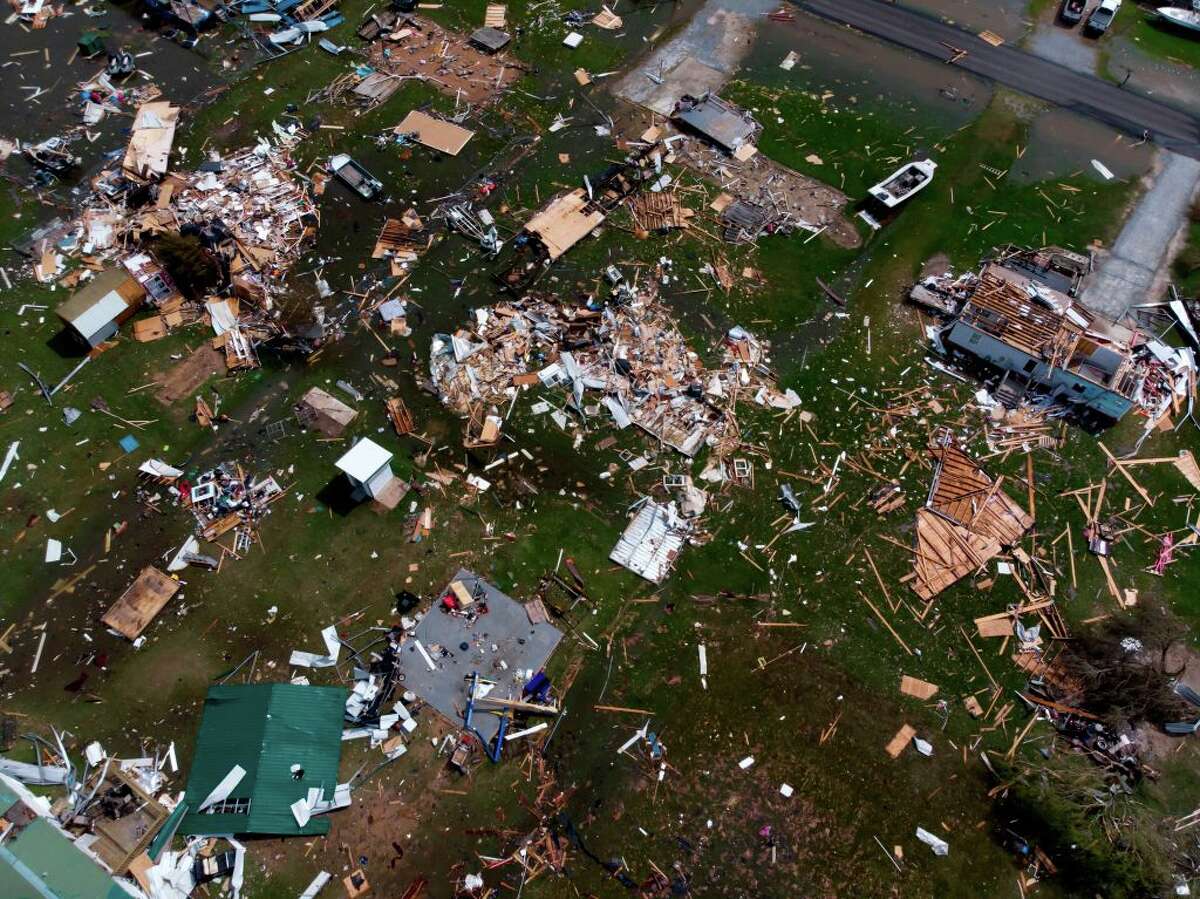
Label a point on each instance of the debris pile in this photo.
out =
(631, 353)
(251, 211)
(223, 499)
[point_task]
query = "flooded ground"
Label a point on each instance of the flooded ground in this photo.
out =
(1062, 144)
(1006, 18)
(829, 58)
(1177, 84)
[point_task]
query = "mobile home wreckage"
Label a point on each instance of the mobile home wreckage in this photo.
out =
(1018, 317)
(631, 353)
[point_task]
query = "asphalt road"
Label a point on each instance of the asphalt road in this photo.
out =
(1120, 108)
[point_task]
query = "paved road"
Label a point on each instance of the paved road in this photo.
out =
(1088, 95)
(1136, 271)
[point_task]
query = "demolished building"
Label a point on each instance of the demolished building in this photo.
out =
(631, 354)
(1018, 317)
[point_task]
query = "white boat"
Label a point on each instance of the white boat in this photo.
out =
(904, 182)
(1188, 19)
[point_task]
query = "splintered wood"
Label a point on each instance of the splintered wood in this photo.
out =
(659, 211)
(964, 525)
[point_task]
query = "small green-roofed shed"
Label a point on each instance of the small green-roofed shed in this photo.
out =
(266, 730)
(39, 861)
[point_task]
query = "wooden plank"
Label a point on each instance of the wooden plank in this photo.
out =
(900, 742)
(1125, 474)
(886, 623)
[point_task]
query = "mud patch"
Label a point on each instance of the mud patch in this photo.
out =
(188, 375)
(768, 184)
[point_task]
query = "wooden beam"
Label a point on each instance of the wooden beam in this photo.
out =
(886, 623)
(1125, 474)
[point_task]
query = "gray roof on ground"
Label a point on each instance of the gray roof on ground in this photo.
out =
(520, 644)
(722, 122)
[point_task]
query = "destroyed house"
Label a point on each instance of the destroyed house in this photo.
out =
(726, 125)
(97, 310)
(261, 750)
(1046, 342)
(38, 860)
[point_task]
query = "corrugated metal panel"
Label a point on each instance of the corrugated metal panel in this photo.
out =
(651, 542)
(266, 728)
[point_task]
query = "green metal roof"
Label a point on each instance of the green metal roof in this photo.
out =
(266, 729)
(42, 862)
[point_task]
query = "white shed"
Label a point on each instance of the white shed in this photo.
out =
(368, 466)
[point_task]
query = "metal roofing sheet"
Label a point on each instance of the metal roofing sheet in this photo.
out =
(651, 541)
(266, 728)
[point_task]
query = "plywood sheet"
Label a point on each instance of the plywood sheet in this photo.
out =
(435, 133)
(898, 743)
(140, 603)
(914, 686)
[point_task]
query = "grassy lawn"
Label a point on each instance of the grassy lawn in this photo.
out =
(814, 704)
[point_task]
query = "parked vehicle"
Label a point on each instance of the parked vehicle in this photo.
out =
(1072, 11)
(1102, 17)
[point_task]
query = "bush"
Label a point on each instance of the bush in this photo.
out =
(1064, 806)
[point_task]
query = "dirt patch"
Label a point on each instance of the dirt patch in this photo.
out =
(447, 60)
(781, 192)
(700, 58)
(935, 266)
(188, 375)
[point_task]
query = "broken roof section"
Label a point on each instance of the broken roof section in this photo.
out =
(435, 133)
(286, 739)
(96, 310)
(324, 412)
(652, 541)
(37, 859)
(491, 40)
(140, 603)
(724, 124)
(150, 143)
(564, 222)
(966, 522)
